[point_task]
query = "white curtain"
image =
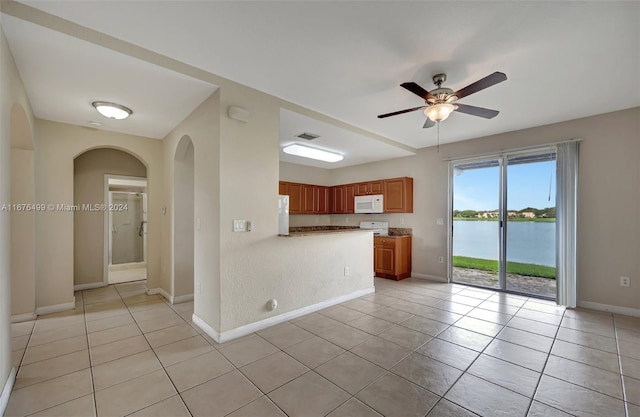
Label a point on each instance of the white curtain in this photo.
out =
(566, 223)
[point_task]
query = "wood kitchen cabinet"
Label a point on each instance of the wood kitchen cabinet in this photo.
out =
(319, 199)
(342, 196)
(322, 200)
(392, 257)
(295, 193)
(349, 194)
(306, 198)
(398, 195)
(337, 193)
(309, 199)
(367, 188)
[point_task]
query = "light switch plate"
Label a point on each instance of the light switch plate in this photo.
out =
(239, 225)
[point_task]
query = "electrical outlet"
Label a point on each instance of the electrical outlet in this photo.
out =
(440, 259)
(625, 281)
(347, 271)
(346, 219)
(440, 221)
(402, 220)
(198, 287)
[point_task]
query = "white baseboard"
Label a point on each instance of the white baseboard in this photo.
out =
(162, 292)
(627, 311)
(89, 286)
(429, 277)
(182, 299)
(271, 321)
(56, 308)
(206, 328)
(6, 391)
(19, 318)
(173, 300)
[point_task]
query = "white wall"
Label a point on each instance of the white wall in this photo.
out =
(304, 174)
(257, 266)
(609, 198)
(89, 170)
(57, 145)
(12, 93)
(183, 219)
(202, 128)
(22, 236)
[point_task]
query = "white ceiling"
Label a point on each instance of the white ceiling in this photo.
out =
(64, 75)
(356, 149)
(564, 60)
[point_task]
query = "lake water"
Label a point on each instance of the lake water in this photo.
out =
(527, 242)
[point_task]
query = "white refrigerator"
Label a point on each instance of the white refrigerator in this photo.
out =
(283, 214)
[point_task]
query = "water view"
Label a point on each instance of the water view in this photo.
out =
(527, 241)
(525, 182)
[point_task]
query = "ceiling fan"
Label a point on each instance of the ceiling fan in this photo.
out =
(442, 101)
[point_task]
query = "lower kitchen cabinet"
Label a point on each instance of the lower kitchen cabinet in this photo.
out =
(392, 256)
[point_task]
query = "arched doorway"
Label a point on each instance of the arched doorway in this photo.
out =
(23, 279)
(183, 220)
(93, 231)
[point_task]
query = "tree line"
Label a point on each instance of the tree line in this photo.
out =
(547, 212)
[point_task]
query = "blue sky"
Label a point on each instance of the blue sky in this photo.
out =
(527, 186)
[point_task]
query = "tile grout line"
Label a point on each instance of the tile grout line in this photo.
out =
(624, 389)
(535, 391)
(93, 387)
(155, 354)
(466, 370)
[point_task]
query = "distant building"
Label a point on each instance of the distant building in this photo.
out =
(529, 215)
(487, 214)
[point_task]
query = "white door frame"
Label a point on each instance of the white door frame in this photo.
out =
(107, 221)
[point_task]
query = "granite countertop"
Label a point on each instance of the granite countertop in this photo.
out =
(321, 230)
(399, 231)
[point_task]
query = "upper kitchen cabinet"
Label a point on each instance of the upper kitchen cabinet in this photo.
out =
(398, 195)
(323, 204)
(339, 199)
(349, 194)
(295, 193)
(307, 198)
(337, 194)
(371, 187)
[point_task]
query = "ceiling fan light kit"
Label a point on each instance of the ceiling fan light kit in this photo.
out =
(439, 112)
(441, 102)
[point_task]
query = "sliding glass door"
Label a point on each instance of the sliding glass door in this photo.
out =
(503, 223)
(476, 220)
(531, 224)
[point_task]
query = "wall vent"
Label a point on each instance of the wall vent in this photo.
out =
(307, 136)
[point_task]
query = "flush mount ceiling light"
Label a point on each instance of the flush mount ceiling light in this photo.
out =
(313, 153)
(112, 110)
(439, 112)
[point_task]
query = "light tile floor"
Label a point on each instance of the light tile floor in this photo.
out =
(414, 348)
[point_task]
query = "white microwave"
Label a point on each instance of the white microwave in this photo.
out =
(369, 203)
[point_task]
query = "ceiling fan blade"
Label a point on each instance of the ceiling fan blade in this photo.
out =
(486, 82)
(428, 123)
(476, 111)
(417, 90)
(382, 116)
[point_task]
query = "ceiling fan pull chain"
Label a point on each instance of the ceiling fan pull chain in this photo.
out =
(438, 138)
